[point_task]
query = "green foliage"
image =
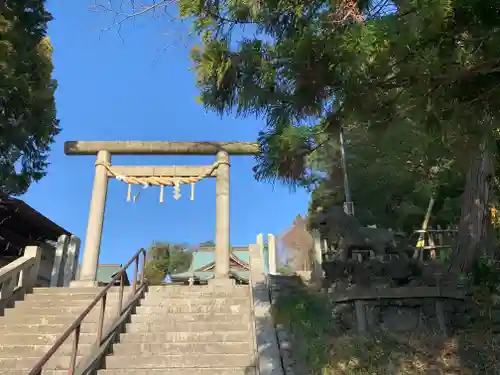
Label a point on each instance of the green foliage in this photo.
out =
(421, 76)
(402, 168)
(154, 274)
(165, 257)
(307, 315)
(28, 121)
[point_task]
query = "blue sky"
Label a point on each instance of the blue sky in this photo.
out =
(136, 85)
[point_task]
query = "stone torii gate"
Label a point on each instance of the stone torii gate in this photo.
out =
(104, 150)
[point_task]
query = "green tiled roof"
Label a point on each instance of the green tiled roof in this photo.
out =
(106, 271)
(202, 259)
(243, 255)
(205, 276)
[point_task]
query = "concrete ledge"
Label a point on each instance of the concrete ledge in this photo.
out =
(83, 284)
(268, 360)
(222, 283)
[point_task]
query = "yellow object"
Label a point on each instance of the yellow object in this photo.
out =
(420, 243)
(159, 181)
(493, 213)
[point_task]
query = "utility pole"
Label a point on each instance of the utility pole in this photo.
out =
(348, 204)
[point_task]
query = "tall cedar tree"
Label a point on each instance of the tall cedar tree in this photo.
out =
(309, 67)
(28, 121)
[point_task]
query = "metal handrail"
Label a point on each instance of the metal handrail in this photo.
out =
(76, 325)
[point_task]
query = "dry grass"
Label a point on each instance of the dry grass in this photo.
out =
(325, 350)
(410, 354)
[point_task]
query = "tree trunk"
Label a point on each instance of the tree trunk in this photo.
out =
(474, 228)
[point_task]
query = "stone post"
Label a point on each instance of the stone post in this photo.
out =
(60, 257)
(31, 279)
(271, 248)
(260, 244)
(90, 260)
(222, 251)
(317, 270)
(71, 263)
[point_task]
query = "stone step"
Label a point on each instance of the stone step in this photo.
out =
(75, 291)
(226, 347)
(202, 301)
(184, 337)
(57, 310)
(177, 371)
(197, 292)
(172, 371)
(44, 329)
(142, 361)
(173, 326)
(65, 302)
(42, 318)
(44, 372)
(179, 318)
(25, 350)
(16, 338)
(27, 363)
(193, 308)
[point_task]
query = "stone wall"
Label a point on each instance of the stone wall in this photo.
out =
(397, 316)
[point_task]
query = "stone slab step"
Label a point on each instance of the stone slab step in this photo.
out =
(173, 326)
(29, 350)
(63, 303)
(192, 308)
(178, 371)
(60, 300)
(42, 318)
(157, 301)
(16, 338)
(183, 337)
(144, 361)
(183, 348)
(57, 310)
(197, 292)
(43, 329)
(73, 291)
(27, 363)
(44, 372)
(179, 318)
(173, 371)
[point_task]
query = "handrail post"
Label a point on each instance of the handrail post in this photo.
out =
(120, 296)
(101, 319)
(136, 270)
(74, 352)
(143, 265)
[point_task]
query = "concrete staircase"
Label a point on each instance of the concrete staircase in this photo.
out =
(28, 330)
(179, 330)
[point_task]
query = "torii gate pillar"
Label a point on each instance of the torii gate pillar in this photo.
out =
(104, 150)
(222, 229)
(90, 261)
